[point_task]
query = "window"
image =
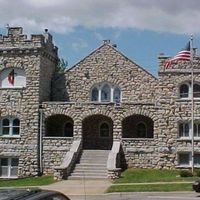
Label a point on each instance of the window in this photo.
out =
(185, 129)
(95, 94)
(116, 95)
(185, 90)
(197, 159)
(9, 167)
(10, 127)
(197, 130)
(196, 91)
(68, 129)
(141, 130)
(104, 130)
(12, 78)
(184, 159)
(105, 92)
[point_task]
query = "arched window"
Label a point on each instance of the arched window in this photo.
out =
(95, 94)
(10, 126)
(116, 95)
(196, 91)
(105, 93)
(104, 130)
(68, 132)
(184, 91)
(12, 78)
(141, 130)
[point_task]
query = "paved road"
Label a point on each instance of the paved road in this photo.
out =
(140, 196)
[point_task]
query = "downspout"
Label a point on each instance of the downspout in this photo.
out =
(40, 141)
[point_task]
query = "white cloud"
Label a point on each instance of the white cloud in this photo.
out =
(79, 45)
(64, 15)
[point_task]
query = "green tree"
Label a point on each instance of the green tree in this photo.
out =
(61, 66)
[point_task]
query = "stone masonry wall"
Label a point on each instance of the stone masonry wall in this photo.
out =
(16, 51)
(106, 64)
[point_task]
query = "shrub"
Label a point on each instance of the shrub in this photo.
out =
(185, 173)
(197, 172)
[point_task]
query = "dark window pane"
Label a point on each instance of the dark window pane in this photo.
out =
(196, 90)
(14, 162)
(184, 91)
(16, 122)
(141, 130)
(68, 130)
(6, 122)
(184, 159)
(116, 95)
(197, 159)
(105, 93)
(104, 130)
(15, 131)
(95, 94)
(6, 130)
(4, 161)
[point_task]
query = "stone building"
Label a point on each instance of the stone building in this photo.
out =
(106, 104)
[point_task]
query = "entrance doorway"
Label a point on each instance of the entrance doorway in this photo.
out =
(97, 132)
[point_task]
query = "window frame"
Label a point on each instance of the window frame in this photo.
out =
(189, 163)
(100, 88)
(145, 125)
(11, 127)
(188, 84)
(101, 129)
(9, 167)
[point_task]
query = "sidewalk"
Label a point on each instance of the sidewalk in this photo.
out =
(80, 187)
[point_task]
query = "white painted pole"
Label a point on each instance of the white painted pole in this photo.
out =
(192, 102)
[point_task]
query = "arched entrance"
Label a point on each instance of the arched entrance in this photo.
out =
(59, 126)
(97, 132)
(137, 126)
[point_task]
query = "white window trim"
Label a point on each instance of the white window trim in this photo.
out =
(190, 159)
(190, 130)
(9, 168)
(189, 91)
(100, 86)
(10, 135)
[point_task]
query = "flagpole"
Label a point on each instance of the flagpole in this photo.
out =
(192, 102)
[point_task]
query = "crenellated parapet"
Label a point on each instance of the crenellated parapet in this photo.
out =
(15, 41)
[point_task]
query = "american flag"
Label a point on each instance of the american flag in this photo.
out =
(184, 54)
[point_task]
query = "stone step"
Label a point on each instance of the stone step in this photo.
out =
(89, 174)
(86, 178)
(94, 165)
(99, 161)
(79, 167)
(89, 170)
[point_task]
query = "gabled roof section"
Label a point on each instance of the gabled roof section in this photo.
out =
(114, 49)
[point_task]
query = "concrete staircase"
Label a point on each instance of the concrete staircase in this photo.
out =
(92, 165)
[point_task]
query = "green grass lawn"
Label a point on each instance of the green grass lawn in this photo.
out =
(151, 188)
(31, 181)
(152, 175)
(146, 180)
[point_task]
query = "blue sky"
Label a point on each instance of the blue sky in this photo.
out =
(141, 29)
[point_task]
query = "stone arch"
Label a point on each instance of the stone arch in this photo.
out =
(138, 111)
(94, 137)
(131, 129)
(59, 125)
